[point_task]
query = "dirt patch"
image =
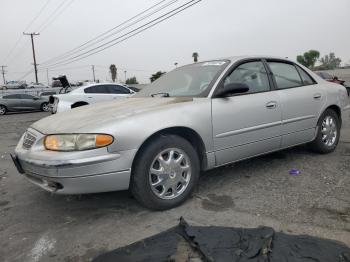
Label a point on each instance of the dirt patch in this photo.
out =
(4, 203)
(343, 215)
(217, 203)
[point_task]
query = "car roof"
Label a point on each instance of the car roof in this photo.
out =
(242, 57)
(82, 88)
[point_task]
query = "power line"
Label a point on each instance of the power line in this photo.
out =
(118, 31)
(25, 75)
(55, 17)
(26, 28)
(36, 17)
(137, 31)
(68, 53)
(50, 16)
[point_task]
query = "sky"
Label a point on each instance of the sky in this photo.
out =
(212, 28)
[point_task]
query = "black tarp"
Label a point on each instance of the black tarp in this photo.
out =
(263, 244)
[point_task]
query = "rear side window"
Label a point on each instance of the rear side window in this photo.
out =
(114, 89)
(286, 75)
(25, 96)
(307, 80)
(12, 97)
(102, 89)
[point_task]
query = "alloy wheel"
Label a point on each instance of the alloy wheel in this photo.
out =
(329, 131)
(170, 173)
(2, 110)
(45, 107)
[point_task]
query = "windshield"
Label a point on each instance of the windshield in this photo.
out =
(193, 80)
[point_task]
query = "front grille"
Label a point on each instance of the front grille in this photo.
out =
(28, 140)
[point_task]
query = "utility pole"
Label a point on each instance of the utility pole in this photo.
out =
(3, 73)
(125, 75)
(35, 65)
(93, 72)
(47, 76)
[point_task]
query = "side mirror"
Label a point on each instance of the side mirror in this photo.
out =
(231, 89)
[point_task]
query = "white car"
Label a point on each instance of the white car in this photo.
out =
(89, 94)
(37, 85)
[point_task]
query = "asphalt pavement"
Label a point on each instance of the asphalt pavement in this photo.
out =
(38, 226)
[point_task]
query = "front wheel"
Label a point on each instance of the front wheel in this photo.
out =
(45, 107)
(3, 110)
(165, 173)
(328, 134)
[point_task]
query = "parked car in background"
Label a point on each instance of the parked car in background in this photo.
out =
(330, 78)
(23, 102)
(47, 93)
(37, 85)
(89, 94)
(196, 117)
(16, 85)
(135, 89)
(334, 79)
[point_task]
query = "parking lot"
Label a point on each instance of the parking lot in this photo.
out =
(38, 226)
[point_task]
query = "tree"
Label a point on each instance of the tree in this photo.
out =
(156, 76)
(131, 81)
(113, 70)
(309, 58)
(329, 62)
(195, 57)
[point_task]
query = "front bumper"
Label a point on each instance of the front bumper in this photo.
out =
(82, 172)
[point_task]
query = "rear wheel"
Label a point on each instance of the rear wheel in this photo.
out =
(3, 110)
(45, 107)
(328, 133)
(166, 173)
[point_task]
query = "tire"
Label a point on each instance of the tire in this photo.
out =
(45, 107)
(184, 184)
(326, 142)
(3, 110)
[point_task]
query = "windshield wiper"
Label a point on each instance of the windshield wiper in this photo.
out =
(160, 94)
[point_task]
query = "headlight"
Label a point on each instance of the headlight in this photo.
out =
(77, 142)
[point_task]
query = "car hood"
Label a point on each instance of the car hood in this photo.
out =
(91, 117)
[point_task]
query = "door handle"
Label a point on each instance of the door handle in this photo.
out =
(317, 96)
(271, 105)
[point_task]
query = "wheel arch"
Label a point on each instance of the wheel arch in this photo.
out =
(5, 107)
(337, 110)
(79, 103)
(185, 132)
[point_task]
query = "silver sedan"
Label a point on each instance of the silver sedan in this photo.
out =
(195, 118)
(23, 102)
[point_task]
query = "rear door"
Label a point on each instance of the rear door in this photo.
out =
(301, 99)
(30, 102)
(13, 102)
(97, 93)
(118, 91)
(248, 124)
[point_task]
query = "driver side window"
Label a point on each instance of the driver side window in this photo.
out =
(253, 74)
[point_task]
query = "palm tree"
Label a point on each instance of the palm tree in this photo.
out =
(195, 57)
(113, 70)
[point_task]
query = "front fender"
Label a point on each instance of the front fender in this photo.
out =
(131, 133)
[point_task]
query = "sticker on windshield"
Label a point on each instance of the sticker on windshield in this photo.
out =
(214, 63)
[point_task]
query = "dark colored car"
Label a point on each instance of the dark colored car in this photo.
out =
(23, 102)
(47, 93)
(334, 79)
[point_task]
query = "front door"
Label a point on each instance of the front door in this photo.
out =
(248, 124)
